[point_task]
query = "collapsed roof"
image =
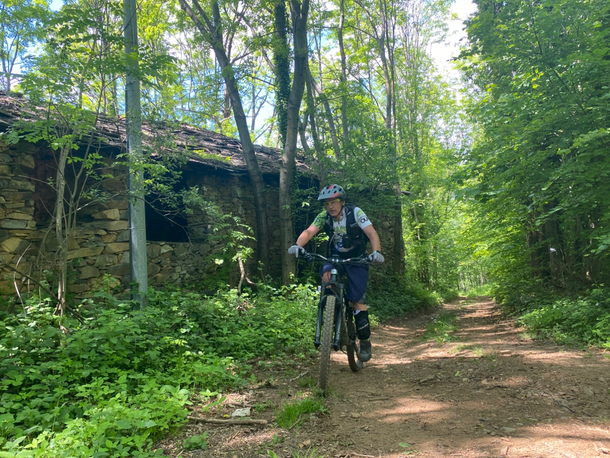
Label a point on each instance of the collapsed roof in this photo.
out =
(201, 145)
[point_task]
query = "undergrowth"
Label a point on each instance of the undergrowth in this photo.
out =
(390, 296)
(584, 319)
(442, 328)
(122, 378)
(479, 291)
(296, 412)
(568, 316)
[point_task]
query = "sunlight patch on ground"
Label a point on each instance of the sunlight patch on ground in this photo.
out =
(410, 408)
(560, 358)
(245, 437)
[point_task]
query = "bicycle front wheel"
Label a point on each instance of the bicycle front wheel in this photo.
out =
(325, 346)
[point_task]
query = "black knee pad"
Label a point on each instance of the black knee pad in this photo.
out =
(362, 325)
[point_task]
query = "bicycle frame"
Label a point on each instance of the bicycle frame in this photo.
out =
(336, 288)
(335, 329)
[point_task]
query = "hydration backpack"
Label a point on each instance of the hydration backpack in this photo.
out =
(354, 240)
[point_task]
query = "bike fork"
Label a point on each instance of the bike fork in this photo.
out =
(337, 339)
(351, 325)
(318, 337)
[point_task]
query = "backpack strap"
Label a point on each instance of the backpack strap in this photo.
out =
(358, 238)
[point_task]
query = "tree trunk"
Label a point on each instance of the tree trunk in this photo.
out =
(138, 257)
(314, 133)
(282, 69)
(343, 75)
(299, 12)
(387, 65)
(211, 33)
(62, 252)
(329, 114)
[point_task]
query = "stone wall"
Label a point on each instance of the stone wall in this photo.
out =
(234, 195)
(100, 243)
(17, 223)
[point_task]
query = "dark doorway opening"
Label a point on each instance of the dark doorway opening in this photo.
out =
(164, 224)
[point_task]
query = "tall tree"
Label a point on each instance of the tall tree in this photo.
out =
(298, 13)
(211, 29)
(382, 19)
(21, 25)
(281, 61)
(344, 119)
(81, 49)
(542, 72)
(138, 259)
(417, 96)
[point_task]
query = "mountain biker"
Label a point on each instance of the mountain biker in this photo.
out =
(349, 230)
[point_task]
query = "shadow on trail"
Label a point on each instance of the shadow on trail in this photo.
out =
(489, 392)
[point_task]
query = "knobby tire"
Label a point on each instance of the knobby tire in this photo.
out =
(348, 328)
(326, 344)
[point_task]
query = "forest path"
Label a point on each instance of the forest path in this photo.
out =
(489, 391)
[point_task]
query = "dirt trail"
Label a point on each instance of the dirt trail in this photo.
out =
(490, 392)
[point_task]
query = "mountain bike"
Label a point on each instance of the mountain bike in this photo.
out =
(335, 328)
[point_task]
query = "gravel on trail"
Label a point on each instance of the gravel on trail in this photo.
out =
(484, 390)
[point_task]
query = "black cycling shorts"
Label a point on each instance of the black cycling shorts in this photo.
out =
(357, 279)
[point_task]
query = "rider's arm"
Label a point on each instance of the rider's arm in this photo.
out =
(371, 233)
(308, 234)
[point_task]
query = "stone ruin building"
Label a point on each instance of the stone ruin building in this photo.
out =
(179, 254)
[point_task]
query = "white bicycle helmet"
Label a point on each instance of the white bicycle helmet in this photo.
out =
(332, 191)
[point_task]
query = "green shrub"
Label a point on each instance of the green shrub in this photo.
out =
(120, 379)
(479, 291)
(199, 442)
(391, 296)
(583, 319)
(442, 328)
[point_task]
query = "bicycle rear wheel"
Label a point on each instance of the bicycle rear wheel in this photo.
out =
(348, 329)
(325, 346)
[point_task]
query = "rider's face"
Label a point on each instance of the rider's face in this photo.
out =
(334, 206)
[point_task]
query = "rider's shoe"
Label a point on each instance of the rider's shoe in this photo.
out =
(365, 350)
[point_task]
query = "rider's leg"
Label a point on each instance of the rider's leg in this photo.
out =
(325, 272)
(357, 279)
(359, 306)
(363, 327)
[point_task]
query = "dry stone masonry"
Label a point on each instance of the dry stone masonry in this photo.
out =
(99, 246)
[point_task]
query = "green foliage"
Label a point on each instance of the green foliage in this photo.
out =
(21, 26)
(478, 291)
(227, 229)
(307, 454)
(121, 379)
(199, 442)
(441, 328)
(541, 164)
(391, 296)
(295, 413)
(298, 454)
(583, 319)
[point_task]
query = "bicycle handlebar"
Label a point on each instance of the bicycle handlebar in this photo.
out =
(312, 257)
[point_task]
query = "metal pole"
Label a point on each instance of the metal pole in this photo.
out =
(133, 121)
